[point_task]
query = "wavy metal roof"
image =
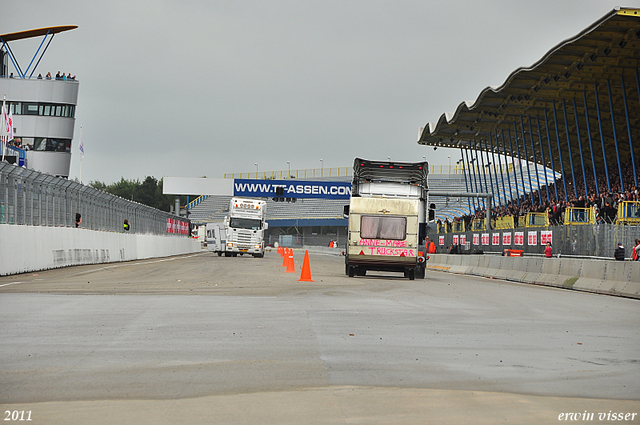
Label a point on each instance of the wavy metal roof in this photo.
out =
(552, 93)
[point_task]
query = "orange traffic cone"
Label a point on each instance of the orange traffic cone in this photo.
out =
(305, 276)
(291, 267)
(285, 257)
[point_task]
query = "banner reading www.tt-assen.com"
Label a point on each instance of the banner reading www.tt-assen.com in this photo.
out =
(292, 189)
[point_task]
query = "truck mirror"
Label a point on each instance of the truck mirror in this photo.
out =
(345, 211)
(432, 215)
(266, 225)
(432, 206)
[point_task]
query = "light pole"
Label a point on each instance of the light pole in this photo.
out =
(321, 168)
(256, 164)
(449, 164)
(289, 166)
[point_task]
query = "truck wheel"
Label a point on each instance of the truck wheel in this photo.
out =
(235, 254)
(346, 269)
(219, 253)
(362, 271)
(227, 254)
(259, 255)
(420, 271)
(412, 274)
(352, 271)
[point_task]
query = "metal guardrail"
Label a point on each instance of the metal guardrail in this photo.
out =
(534, 219)
(629, 212)
(29, 197)
(310, 173)
(576, 215)
(596, 240)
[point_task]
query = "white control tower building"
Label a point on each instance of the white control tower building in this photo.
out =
(43, 106)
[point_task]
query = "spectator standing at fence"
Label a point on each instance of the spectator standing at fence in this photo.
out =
(635, 255)
(126, 225)
(78, 219)
(618, 254)
(548, 250)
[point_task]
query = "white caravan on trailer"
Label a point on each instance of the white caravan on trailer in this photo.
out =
(216, 237)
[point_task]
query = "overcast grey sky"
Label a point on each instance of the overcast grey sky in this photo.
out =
(196, 87)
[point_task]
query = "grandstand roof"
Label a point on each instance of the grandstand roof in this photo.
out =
(21, 35)
(554, 91)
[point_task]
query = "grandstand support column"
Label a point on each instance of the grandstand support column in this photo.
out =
(553, 168)
(626, 114)
(515, 134)
(494, 167)
(555, 121)
(544, 163)
(177, 205)
(487, 218)
(535, 159)
(526, 158)
(474, 182)
(584, 174)
(482, 170)
(604, 153)
(488, 168)
(504, 152)
(593, 161)
(515, 175)
(615, 134)
(475, 147)
(466, 185)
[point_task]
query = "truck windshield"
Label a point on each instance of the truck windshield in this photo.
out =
(380, 227)
(245, 223)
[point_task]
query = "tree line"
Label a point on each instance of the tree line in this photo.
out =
(148, 192)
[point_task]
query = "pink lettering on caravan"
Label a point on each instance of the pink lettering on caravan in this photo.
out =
(381, 242)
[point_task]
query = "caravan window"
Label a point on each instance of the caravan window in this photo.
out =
(383, 227)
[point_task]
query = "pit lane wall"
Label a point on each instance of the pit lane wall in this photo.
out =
(32, 248)
(609, 277)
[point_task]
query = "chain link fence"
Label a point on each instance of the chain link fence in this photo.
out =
(586, 240)
(29, 197)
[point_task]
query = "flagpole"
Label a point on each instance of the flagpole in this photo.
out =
(4, 126)
(81, 155)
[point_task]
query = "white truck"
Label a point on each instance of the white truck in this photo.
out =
(245, 227)
(387, 218)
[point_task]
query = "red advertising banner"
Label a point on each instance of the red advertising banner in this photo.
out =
(532, 238)
(177, 226)
(463, 239)
(506, 238)
(518, 238)
(455, 239)
(441, 240)
(476, 239)
(485, 239)
(546, 236)
(495, 239)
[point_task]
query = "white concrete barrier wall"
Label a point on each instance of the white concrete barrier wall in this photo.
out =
(601, 276)
(31, 248)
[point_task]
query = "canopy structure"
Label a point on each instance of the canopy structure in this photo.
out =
(575, 111)
(21, 35)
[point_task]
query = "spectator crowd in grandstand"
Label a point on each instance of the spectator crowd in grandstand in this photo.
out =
(605, 203)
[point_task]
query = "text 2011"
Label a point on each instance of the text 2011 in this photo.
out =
(17, 415)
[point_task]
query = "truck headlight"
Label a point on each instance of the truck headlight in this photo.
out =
(229, 244)
(257, 247)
